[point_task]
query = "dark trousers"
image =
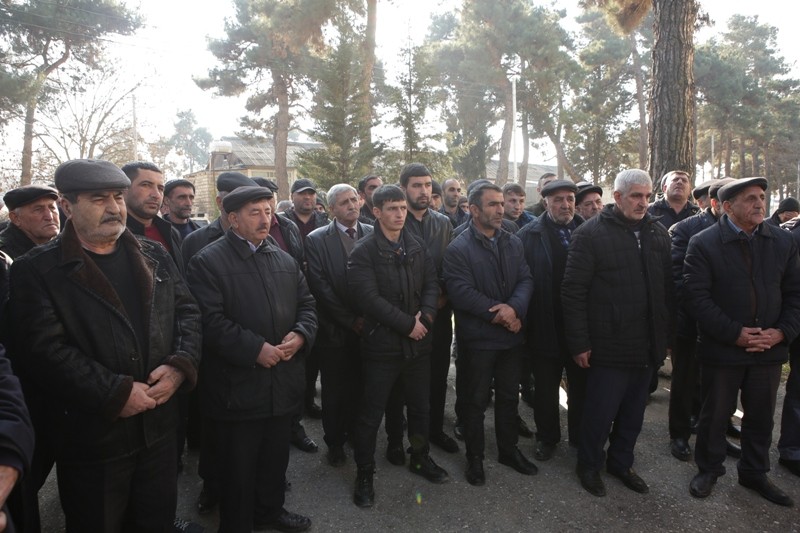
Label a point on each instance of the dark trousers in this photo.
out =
(547, 372)
(23, 502)
(312, 371)
(683, 387)
(380, 376)
(207, 467)
(340, 369)
(613, 412)
(253, 458)
(721, 384)
(478, 368)
(789, 443)
(136, 493)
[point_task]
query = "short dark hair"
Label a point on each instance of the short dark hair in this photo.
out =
(413, 170)
(513, 188)
(362, 183)
(476, 195)
(387, 193)
(132, 169)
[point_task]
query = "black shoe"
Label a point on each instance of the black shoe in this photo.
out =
(733, 430)
(423, 465)
(693, 421)
(395, 454)
(631, 480)
(767, 490)
(591, 481)
(184, 526)
(526, 394)
(458, 430)
(544, 451)
(475, 474)
(336, 456)
(702, 484)
(286, 521)
(305, 444)
(680, 449)
(733, 450)
(313, 410)
(364, 493)
(207, 500)
(523, 429)
(519, 462)
(444, 441)
(793, 465)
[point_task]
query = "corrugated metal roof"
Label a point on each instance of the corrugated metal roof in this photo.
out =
(249, 153)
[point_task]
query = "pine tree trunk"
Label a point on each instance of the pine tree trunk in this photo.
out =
(27, 141)
(728, 154)
(671, 128)
(505, 142)
(522, 177)
(281, 133)
(641, 100)
(365, 135)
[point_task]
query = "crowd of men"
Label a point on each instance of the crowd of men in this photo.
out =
(133, 331)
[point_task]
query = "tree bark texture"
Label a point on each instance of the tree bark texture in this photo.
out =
(522, 177)
(671, 129)
(641, 100)
(368, 67)
(505, 141)
(282, 120)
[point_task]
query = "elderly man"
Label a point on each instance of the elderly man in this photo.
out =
(451, 189)
(544, 179)
(617, 299)
(33, 217)
(258, 324)
(340, 324)
(546, 241)
(393, 283)
(514, 197)
(366, 187)
(588, 200)
(700, 194)
(106, 329)
(742, 283)
(179, 199)
(143, 200)
(675, 205)
(490, 286)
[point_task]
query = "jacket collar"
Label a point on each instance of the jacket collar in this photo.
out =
(728, 234)
(242, 248)
(501, 235)
(609, 214)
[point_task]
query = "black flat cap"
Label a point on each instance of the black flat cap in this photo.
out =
(558, 185)
(787, 204)
(716, 185)
(477, 183)
(27, 194)
(303, 184)
(701, 190)
(728, 191)
(585, 188)
(436, 188)
(90, 175)
(171, 184)
(244, 195)
(230, 181)
(269, 184)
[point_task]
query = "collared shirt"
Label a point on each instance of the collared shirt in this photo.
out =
(740, 231)
(252, 246)
(344, 228)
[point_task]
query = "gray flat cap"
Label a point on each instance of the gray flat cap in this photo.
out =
(728, 191)
(81, 175)
(244, 195)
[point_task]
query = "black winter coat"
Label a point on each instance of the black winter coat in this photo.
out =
(72, 338)
(541, 320)
(388, 290)
(327, 278)
(14, 242)
(724, 294)
(165, 228)
(663, 212)
(197, 240)
(479, 276)
(248, 298)
(16, 431)
(618, 298)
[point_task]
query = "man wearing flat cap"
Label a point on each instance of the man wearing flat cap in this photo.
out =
(105, 329)
(179, 199)
(742, 284)
(588, 200)
(546, 241)
(259, 323)
(700, 194)
(33, 216)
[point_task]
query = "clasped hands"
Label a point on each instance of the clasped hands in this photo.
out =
(759, 340)
(506, 317)
(272, 355)
(161, 384)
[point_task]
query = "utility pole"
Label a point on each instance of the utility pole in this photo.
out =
(135, 145)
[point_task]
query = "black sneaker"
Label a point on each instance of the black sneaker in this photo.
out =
(184, 526)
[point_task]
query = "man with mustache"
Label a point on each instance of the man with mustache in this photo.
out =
(106, 329)
(143, 200)
(179, 200)
(617, 300)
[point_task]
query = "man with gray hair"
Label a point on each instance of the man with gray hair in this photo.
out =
(617, 300)
(340, 325)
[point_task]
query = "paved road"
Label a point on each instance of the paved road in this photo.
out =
(553, 500)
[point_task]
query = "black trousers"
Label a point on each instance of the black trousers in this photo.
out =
(136, 493)
(614, 411)
(312, 371)
(759, 387)
(547, 372)
(207, 466)
(23, 502)
(340, 369)
(789, 443)
(477, 369)
(380, 376)
(253, 458)
(683, 387)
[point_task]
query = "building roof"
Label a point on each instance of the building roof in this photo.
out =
(250, 153)
(534, 171)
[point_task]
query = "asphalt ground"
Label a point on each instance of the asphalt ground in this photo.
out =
(552, 500)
